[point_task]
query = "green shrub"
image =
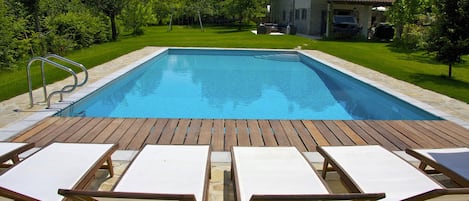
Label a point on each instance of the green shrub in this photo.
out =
(82, 28)
(13, 43)
(414, 37)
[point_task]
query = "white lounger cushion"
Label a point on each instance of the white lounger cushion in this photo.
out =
(7, 147)
(59, 165)
(455, 159)
(375, 169)
(274, 170)
(171, 169)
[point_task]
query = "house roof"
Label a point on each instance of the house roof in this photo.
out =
(367, 2)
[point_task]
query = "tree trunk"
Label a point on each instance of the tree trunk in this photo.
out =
(450, 70)
(113, 27)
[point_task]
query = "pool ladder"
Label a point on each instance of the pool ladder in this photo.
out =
(67, 88)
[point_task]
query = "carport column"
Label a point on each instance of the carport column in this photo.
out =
(330, 13)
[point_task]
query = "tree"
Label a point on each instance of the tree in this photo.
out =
(449, 38)
(404, 12)
(110, 8)
(136, 15)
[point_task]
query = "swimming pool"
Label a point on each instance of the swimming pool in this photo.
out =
(241, 84)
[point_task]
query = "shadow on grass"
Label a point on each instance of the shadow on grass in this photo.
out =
(442, 80)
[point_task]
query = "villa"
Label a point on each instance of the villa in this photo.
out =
(311, 16)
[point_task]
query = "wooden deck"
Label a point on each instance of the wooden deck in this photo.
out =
(132, 134)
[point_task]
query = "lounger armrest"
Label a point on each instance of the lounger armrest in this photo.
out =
(80, 195)
(347, 196)
(438, 193)
(7, 193)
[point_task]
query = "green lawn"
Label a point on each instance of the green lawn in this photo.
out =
(416, 68)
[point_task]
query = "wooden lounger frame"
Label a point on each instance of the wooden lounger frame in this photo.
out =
(438, 168)
(91, 195)
(84, 181)
(330, 164)
(304, 197)
(13, 155)
(82, 195)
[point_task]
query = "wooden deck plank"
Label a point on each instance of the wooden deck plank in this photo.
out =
(324, 130)
(360, 132)
(230, 134)
(243, 136)
(293, 135)
(422, 141)
(132, 134)
(137, 142)
(156, 132)
(267, 134)
(108, 131)
(398, 139)
(119, 132)
(60, 129)
(35, 130)
(304, 135)
(218, 135)
(315, 133)
(376, 135)
(205, 136)
(430, 134)
(181, 131)
(45, 132)
(343, 138)
(443, 135)
(450, 130)
(279, 133)
(168, 131)
(350, 133)
(76, 137)
(94, 132)
(255, 133)
(194, 131)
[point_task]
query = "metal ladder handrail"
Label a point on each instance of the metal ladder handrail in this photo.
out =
(60, 66)
(83, 68)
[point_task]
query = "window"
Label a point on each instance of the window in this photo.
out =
(284, 15)
(297, 14)
(304, 13)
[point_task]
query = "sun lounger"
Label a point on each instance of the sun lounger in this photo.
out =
(171, 172)
(374, 169)
(11, 151)
(452, 162)
(58, 165)
(280, 173)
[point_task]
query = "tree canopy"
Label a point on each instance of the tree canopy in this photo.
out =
(449, 38)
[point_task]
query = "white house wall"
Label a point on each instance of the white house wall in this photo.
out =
(315, 21)
(310, 24)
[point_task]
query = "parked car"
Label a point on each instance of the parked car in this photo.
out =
(346, 24)
(384, 31)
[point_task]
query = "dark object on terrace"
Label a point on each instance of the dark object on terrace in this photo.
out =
(384, 32)
(267, 28)
(346, 24)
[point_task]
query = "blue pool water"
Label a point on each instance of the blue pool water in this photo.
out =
(235, 84)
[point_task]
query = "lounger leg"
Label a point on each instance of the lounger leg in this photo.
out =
(109, 167)
(325, 168)
(15, 159)
(422, 166)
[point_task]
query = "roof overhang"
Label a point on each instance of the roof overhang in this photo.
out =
(364, 2)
